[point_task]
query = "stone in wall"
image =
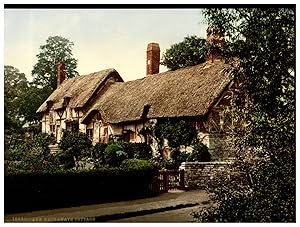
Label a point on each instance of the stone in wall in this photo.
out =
(198, 174)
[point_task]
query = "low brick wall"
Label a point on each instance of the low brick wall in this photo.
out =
(197, 174)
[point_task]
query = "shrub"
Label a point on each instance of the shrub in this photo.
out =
(98, 154)
(200, 153)
(178, 157)
(32, 155)
(138, 150)
(74, 187)
(137, 164)
(114, 154)
(75, 145)
(17, 153)
(98, 150)
(162, 163)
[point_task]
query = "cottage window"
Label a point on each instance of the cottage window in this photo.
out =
(72, 126)
(68, 126)
(52, 129)
(89, 133)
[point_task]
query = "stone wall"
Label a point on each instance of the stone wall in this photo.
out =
(216, 144)
(197, 174)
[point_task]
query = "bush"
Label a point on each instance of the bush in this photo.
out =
(98, 154)
(200, 153)
(162, 163)
(98, 150)
(74, 188)
(178, 157)
(137, 164)
(114, 155)
(33, 155)
(75, 145)
(138, 150)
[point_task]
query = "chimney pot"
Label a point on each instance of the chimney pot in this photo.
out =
(153, 58)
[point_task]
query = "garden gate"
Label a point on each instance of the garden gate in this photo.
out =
(167, 180)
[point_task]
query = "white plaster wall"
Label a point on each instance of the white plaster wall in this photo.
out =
(82, 127)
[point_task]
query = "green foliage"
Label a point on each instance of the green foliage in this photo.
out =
(32, 100)
(263, 189)
(138, 150)
(177, 157)
(200, 153)
(21, 100)
(98, 150)
(76, 187)
(15, 88)
(74, 145)
(137, 164)
(32, 156)
(177, 132)
(191, 51)
(45, 70)
(114, 155)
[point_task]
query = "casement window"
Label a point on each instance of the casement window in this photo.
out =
(68, 126)
(52, 129)
(72, 126)
(89, 133)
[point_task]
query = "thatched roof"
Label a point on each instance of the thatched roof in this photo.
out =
(79, 89)
(185, 92)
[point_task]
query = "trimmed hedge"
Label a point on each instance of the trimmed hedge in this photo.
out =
(137, 164)
(37, 191)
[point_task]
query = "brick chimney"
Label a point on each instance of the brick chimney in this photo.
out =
(60, 72)
(216, 40)
(153, 58)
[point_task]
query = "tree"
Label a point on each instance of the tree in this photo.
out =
(264, 188)
(191, 51)
(45, 70)
(32, 99)
(15, 87)
(177, 132)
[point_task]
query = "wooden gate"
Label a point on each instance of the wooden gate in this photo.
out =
(168, 180)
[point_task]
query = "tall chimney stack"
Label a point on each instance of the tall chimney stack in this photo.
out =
(153, 58)
(216, 40)
(60, 72)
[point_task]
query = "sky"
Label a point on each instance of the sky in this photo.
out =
(103, 38)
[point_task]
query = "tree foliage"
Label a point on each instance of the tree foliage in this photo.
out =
(114, 154)
(177, 132)
(32, 156)
(45, 70)
(191, 51)
(75, 145)
(200, 153)
(15, 87)
(264, 188)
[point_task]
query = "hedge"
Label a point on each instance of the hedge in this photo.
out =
(37, 191)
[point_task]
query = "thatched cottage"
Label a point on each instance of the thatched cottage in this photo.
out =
(102, 105)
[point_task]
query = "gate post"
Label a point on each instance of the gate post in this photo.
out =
(181, 179)
(166, 181)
